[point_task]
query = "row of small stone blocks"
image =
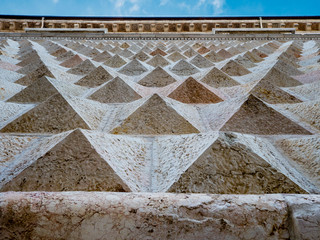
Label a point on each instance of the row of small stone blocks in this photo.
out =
(16, 25)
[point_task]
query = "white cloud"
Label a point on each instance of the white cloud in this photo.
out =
(134, 8)
(218, 6)
(55, 1)
(163, 2)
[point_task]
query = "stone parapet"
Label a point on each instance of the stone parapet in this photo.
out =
(158, 25)
(83, 215)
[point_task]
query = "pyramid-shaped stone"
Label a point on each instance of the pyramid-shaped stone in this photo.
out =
(155, 116)
(280, 79)
(11, 145)
(287, 68)
(253, 57)
(133, 68)
(35, 75)
(126, 53)
(73, 164)
(255, 117)
(55, 115)
(304, 154)
(214, 57)
(95, 78)
(72, 62)
(203, 50)
(190, 53)
(158, 51)
(176, 56)
(191, 91)
(116, 50)
(308, 111)
(38, 91)
(83, 68)
(32, 59)
(244, 61)
(142, 56)
(183, 68)
(216, 78)
(58, 52)
(65, 56)
(124, 45)
(115, 62)
(115, 91)
(157, 78)
(235, 69)
(32, 66)
(224, 53)
(102, 57)
(230, 167)
(270, 93)
(201, 62)
(158, 61)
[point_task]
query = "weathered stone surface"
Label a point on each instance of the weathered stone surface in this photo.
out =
(95, 78)
(229, 167)
(115, 91)
(158, 61)
(35, 75)
(157, 78)
(183, 68)
(83, 68)
(82, 215)
(216, 78)
(133, 68)
(71, 165)
(191, 91)
(155, 116)
(52, 116)
(72, 62)
(37, 92)
(255, 117)
(115, 62)
(235, 69)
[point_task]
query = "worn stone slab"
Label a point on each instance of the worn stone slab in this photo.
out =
(81, 215)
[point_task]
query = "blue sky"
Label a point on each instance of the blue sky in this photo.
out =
(161, 7)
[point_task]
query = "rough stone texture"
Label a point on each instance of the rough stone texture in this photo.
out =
(115, 62)
(133, 68)
(201, 62)
(35, 75)
(255, 132)
(183, 68)
(235, 69)
(157, 78)
(158, 61)
(72, 62)
(83, 68)
(155, 117)
(191, 91)
(38, 91)
(86, 170)
(52, 116)
(82, 215)
(255, 117)
(216, 78)
(279, 78)
(270, 93)
(95, 78)
(115, 91)
(229, 167)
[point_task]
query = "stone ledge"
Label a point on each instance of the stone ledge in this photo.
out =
(67, 30)
(101, 215)
(254, 30)
(154, 36)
